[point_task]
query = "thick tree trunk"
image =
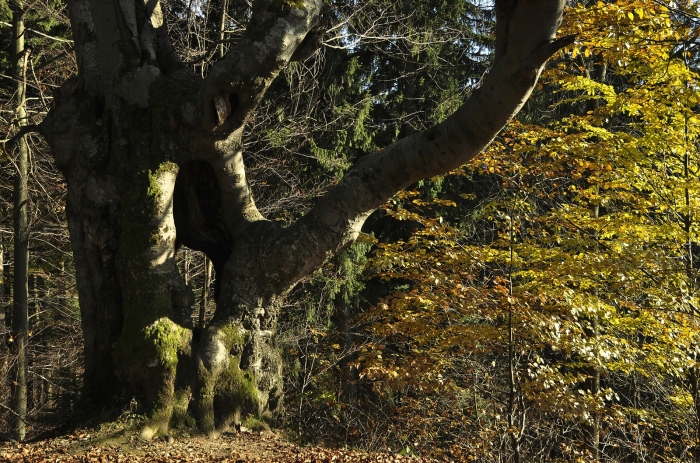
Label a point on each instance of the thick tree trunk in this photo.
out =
(152, 155)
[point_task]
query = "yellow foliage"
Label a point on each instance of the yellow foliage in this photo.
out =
(592, 262)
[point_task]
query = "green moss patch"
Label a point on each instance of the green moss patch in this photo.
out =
(255, 424)
(167, 339)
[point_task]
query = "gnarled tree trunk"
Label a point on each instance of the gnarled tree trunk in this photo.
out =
(152, 155)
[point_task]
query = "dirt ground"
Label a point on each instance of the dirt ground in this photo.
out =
(124, 446)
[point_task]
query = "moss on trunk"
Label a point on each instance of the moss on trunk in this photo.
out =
(225, 392)
(147, 351)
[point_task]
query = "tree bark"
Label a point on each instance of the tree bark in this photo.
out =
(591, 427)
(205, 292)
(20, 322)
(3, 321)
(343, 316)
(152, 156)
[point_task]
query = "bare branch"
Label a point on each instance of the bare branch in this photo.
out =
(24, 130)
(51, 37)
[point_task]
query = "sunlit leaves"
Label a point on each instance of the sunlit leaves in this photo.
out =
(587, 237)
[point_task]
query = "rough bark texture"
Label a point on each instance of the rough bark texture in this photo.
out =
(152, 155)
(20, 315)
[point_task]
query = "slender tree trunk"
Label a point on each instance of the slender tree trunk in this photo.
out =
(3, 321)
(687, 224)
(694, 380)
(205, 292)
(4, 329)
(344, 315)
(222, 28)
(408, 82)
(514, 414)
(516, 410)
(21, 229)
(591, 427)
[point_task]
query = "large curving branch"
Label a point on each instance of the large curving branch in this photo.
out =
(277, 33)
(526, 31)
(237, 83)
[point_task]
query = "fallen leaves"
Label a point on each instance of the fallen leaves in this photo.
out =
(265, 447)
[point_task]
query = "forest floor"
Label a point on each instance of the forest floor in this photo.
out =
(124, 446)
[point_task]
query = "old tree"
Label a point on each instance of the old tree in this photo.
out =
(152, 155)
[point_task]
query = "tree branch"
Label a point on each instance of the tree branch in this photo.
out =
(24, 130)
(233, 89)
(237, 83)
(57, 39)
(526, 31)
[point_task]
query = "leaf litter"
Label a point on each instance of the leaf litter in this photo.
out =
(241, 447)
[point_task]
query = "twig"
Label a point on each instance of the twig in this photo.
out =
(38, 86)
(24, 130)
(58, 39)
(210, 51)
(14, 413)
